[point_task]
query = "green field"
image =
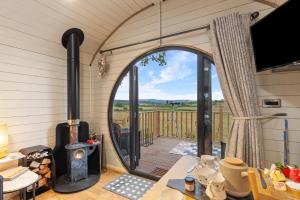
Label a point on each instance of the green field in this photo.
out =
(178, 120)
(144, 106)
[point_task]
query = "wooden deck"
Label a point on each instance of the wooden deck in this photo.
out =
(157, 154)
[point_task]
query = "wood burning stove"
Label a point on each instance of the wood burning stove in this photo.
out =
(77, 160)
(77, 163)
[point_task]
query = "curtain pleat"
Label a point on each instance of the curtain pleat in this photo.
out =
(233, 55)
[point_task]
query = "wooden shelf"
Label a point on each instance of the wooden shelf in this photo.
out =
(11, 157)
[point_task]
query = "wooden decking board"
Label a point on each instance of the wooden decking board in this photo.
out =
(157, 155)
(159, 172)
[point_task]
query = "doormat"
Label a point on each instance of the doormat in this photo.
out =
(158, 172)
(129, 186)
(190, 148)
(185, 148)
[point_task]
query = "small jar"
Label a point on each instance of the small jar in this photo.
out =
(189, 184)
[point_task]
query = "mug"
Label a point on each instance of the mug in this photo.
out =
(203, 174)
(208, 161)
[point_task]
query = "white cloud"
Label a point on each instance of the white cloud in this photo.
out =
(151, 73)
(175, 69)
(217, 95)
(214, 76)
(150, 92)
(123, 90)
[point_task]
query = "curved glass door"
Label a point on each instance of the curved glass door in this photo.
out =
(121, 119)
(124, 125)
(160, 110)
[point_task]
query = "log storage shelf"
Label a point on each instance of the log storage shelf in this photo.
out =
(39, 159)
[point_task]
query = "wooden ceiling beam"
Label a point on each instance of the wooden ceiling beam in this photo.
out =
(272, 3)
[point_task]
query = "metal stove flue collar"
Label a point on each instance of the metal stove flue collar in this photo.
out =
(73, 122)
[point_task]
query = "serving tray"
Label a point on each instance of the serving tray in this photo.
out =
(178, 184)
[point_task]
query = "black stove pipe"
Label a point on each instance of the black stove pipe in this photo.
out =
(71, 40)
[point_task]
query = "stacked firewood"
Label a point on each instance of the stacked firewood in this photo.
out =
(41, 166)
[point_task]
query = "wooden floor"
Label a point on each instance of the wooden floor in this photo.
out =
(97, 192)
(153, 156)
(157, 154)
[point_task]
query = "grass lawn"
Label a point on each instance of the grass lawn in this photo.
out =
(176, 121)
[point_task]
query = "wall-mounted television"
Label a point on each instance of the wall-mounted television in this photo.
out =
(276, 37)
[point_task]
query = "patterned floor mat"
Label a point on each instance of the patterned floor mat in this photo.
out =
(129, 186)
(190, 148)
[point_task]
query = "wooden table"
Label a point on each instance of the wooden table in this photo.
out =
(12, 157)
(178, 171)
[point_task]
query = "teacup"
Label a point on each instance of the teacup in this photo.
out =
(218, 182)
(203, 174)
(208, 161)
(216, 187)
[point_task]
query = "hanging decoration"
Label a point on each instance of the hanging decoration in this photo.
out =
(102, 65)
(160, 56)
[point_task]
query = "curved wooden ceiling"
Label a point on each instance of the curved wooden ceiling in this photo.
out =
(272, 3)
(37, 25)
(98, 17)
(42, 22)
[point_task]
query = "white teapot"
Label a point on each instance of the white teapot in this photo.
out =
(235, 172)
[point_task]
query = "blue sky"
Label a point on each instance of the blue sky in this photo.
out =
(175, 81)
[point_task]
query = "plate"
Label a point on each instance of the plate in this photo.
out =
(293, 185)
(170, 194)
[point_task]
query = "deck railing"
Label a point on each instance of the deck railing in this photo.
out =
(179, 124)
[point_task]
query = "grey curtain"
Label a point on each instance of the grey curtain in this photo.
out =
(232, 52)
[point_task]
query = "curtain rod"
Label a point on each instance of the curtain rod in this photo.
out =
(207, 26)
(156, 38)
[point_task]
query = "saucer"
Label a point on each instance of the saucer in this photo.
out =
(171, 194)
(222, 195)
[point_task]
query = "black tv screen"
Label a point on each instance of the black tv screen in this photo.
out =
(276, 37)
